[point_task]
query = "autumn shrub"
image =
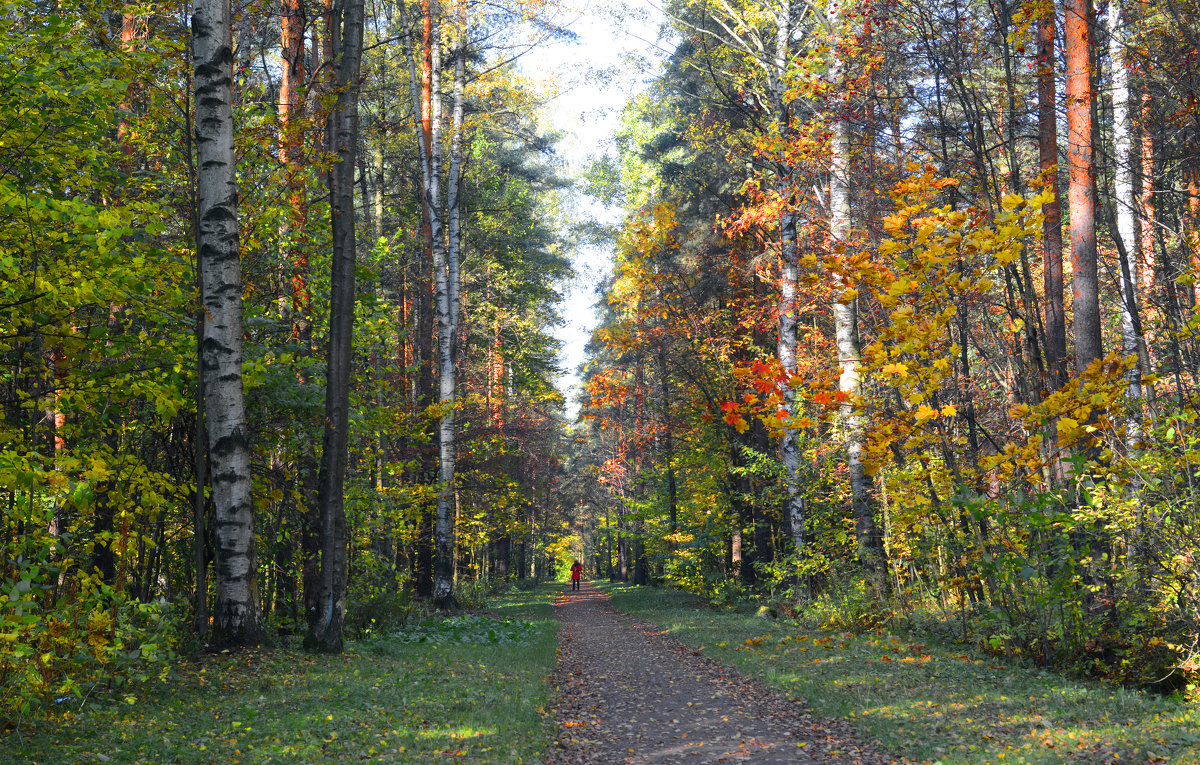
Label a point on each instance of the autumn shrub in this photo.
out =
(1083, 582)
(473, 594)
(377, 600)
(66, 636)
(849, 603)
(726, 593)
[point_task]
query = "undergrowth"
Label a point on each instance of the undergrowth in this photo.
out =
(468, 689)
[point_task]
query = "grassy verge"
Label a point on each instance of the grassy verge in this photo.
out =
(472, 690)
(929, 703)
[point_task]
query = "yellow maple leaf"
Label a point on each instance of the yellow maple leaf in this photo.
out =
(925, 412)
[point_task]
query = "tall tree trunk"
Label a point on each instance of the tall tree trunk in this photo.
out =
(1148, 220)
(845, 319)
(236, 617)
(292, 24)
(448, 286)
(342, 135)
(789, 260)
(1056, 322)
(422, 97)
(200, 541)
(1124, 203)
(1081, 193)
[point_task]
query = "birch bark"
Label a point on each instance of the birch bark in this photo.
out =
(845, 318)
(446, 271)
(1124, 193)
(236, 616)
(795, 505)
(448, 282)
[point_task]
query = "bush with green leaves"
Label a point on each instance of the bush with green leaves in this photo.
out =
(377, 600)
(68, 649)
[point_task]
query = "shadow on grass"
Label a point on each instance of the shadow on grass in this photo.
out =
(382, 701)
(932, 703)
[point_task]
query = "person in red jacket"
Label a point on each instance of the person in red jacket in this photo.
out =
(576, 573)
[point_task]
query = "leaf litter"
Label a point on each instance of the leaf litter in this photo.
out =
(628, 693)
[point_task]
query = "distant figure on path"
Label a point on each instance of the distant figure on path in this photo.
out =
(576, 572)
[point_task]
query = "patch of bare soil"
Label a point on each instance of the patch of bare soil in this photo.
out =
(626, 693)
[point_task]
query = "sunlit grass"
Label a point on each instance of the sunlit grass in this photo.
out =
(382, 701)
(932, 703)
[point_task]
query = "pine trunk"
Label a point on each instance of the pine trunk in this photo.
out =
(1081, 192)
(1056, 322)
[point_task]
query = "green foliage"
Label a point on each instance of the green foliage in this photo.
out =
(470, 629)
(474, 594)
(377, 604)
(850, 604)
(93, 334)
(383, 700)
(66, 636)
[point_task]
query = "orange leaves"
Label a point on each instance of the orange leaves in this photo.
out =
(924, 413)
(829, 398)
(733, 417)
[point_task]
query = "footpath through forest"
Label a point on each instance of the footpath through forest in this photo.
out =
(629, 694)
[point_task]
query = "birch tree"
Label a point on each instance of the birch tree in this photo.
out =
(762, 34)
(845, 312)
(236, 617)
(767, 35)
(444, 226)
(1125, 215)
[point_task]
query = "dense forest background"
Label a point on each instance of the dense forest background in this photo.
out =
(838, 367)
(902, 325)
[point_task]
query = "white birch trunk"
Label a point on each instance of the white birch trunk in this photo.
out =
(845, 318)
(448, 283)
(236, 616)
(1124, 202)
(795, 506)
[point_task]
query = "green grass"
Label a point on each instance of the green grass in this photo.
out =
(931, 703)
(384, 700)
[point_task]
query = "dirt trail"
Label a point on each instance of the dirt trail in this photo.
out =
(629, 694)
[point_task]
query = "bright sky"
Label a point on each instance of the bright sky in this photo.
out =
(597, 74)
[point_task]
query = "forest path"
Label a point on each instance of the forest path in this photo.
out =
(627, 693)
